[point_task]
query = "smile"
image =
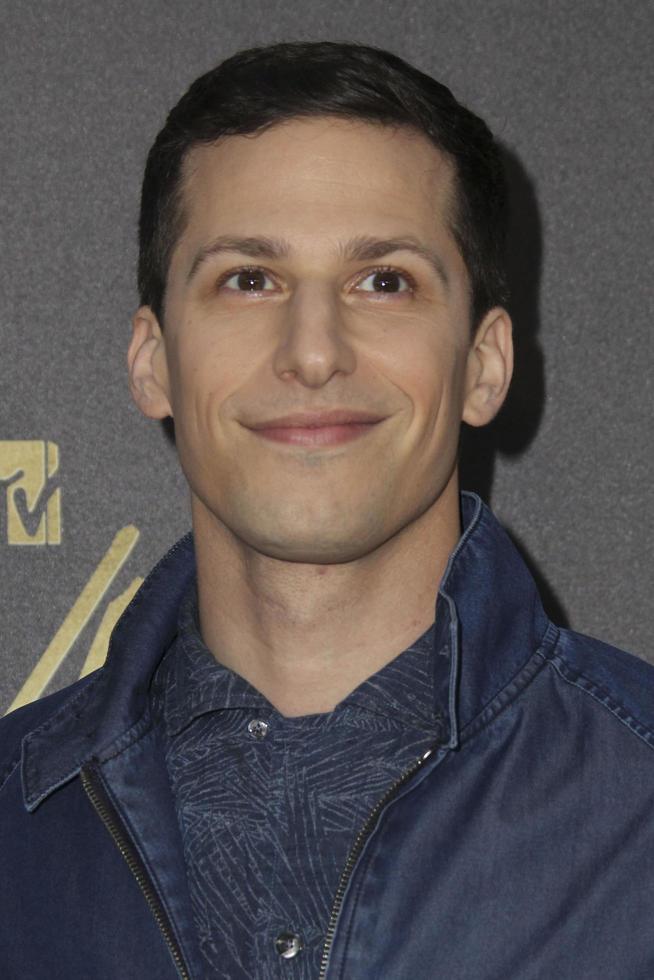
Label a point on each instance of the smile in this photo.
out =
(324, 435)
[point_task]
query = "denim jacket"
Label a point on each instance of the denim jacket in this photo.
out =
(520, 847)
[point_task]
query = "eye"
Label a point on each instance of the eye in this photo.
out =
(250, 279)
(387, 280)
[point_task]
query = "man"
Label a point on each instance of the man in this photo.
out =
(336, 735)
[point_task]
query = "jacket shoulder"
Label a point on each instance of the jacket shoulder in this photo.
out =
(621, 681)
(20, 722)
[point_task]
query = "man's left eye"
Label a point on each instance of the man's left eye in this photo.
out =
(386, 281)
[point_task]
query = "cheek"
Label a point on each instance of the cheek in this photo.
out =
(203, 374)
(431, 376)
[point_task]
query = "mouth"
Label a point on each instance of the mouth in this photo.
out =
(316, 435)
(318, 427)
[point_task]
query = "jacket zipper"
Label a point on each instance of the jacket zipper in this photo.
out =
(114, 825)
(355, 851)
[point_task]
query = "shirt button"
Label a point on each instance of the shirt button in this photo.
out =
(288, 944)
(258, 728)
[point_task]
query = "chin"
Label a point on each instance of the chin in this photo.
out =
(312, 548)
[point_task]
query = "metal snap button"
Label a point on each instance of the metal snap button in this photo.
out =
(288, 944)
(258, 728)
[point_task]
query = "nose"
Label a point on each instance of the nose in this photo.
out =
(314, 343)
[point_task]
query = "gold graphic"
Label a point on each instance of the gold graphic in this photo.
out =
(83, 608)
(98, 649)
(32, 503)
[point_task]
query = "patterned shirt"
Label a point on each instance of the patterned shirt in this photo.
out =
(269, 806)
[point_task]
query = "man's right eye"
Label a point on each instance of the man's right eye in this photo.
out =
(247, 280)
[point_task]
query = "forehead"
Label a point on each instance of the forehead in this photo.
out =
(318, 173)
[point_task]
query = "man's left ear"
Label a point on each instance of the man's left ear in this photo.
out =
(489, 368)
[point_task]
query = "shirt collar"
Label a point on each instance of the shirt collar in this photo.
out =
(190, 682)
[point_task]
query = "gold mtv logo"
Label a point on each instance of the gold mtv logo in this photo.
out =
(31, 510)
(91, 599)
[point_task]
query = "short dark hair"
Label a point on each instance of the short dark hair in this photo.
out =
(259, 87)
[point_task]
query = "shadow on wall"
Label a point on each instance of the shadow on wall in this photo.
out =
(516, 425)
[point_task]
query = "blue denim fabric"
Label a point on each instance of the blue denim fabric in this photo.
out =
(523, 847)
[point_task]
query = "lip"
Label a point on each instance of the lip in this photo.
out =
(316, 435)
(326, 428)
(314, 420)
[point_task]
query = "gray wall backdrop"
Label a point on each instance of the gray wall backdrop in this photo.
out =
(568, 465)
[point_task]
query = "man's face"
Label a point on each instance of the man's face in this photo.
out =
(316, 329)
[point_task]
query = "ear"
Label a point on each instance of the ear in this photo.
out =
(148, 368)
(489, 368)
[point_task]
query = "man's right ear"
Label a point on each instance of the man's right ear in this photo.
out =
(148, 367)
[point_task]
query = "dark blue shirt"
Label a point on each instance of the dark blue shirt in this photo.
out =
(269, 806)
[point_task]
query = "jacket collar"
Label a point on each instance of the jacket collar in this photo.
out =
(490, 619)
(488, 622)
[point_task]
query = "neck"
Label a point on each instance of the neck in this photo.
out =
(305, 635)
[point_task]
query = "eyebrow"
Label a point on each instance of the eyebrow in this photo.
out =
(360, 248)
